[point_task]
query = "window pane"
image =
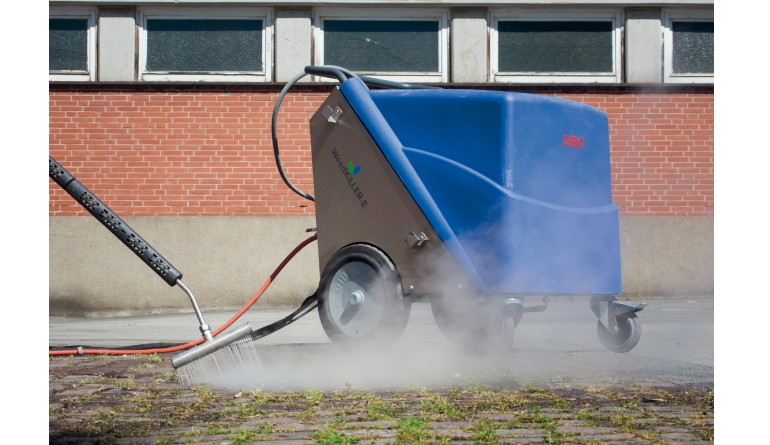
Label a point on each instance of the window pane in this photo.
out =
(693, 47)
(204, 45)
(555, 47)
(382, 46)
(68, 44)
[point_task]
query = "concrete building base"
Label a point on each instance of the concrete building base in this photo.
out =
(226, 259)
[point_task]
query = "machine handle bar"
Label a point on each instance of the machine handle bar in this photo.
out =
(336, 73)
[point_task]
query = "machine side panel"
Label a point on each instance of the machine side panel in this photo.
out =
(360, 199)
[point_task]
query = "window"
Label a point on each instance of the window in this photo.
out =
(688, 46)
(555, 46)
(194, 44)
(407, 46)
(71, 44)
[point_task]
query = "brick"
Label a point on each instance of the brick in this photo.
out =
(134, 147)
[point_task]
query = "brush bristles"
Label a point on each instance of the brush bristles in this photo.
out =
(238, 357)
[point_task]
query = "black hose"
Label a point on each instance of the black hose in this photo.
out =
(334, 72)
(278, 163)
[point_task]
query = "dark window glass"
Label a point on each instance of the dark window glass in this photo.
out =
(555, 47)
(67, 44)
(204, 45)
(693, 47)
(382, 45)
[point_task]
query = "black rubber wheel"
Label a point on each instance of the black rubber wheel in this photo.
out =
(629, 332)
(361, 300)
(469, 323)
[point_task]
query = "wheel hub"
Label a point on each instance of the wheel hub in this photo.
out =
(356, 299)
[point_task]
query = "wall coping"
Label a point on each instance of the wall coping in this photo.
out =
(618, 88)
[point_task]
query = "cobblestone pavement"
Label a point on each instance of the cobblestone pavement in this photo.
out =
(137, 400)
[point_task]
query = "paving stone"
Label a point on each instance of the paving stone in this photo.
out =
(454, 433)
(672, 429)
(625, 442)
(679, 437)
(373, 424)
(645, 420)
(694, 442)
(677, 415)
(55, 386)
(501, 417)
(588, 430)
(301, 435)
(85, 390)
(663, 409)
(521, 432)
(376, 441)
(618, 409)
(522, 441)
(445, 425)
(364, 432)
(607, 437)
(288, 442)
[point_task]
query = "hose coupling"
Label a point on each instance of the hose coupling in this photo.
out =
(206, 331)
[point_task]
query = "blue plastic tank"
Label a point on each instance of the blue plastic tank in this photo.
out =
(516, 185)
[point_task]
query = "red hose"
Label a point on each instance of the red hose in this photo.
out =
(229, 322)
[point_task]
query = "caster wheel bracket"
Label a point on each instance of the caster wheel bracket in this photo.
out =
(607, 311)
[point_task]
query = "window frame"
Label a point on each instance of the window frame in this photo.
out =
(439, 14)
(614, 15)
(681, 15)
(208, 13)
(88, 13)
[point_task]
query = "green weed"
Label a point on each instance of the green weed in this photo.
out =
(484, 432)
(124, 383)
(330, 436)
(440, 405)
(377, 409)
(412, 430)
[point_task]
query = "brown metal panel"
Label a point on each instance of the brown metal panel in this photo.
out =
(372, 206)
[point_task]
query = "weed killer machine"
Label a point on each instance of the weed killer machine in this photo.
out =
(471, 200)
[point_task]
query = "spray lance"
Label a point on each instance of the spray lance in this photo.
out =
(161, 266)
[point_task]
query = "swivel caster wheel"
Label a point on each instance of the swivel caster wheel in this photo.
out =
(627, 336)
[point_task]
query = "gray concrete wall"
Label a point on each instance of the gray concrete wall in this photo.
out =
(644, 47)
(667, 256)
(117, 44)
(469, 46)
(226, 259)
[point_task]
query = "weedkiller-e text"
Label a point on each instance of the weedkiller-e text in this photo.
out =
(350, 178)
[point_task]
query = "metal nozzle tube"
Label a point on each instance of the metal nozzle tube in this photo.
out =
(205, 329)
(210, 346)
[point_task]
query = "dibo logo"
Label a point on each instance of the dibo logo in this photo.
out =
(353, 169)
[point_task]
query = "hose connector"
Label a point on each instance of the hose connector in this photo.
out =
(206, 331)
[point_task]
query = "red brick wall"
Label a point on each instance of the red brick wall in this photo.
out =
(205, 150)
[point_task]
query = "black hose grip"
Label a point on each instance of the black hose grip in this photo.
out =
(326, 71)
(110, 220)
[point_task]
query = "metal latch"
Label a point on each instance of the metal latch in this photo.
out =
(416, 240)
(331, 115)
